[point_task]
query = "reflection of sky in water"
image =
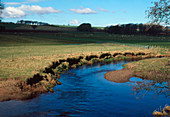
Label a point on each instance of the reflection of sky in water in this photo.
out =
(86, 93)
(135, 79)
(142, 88)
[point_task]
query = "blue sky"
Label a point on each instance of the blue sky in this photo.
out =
(75, 12)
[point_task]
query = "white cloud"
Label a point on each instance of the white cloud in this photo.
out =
(39, 10)
(83, 11)
(12, 12)
(103, 10)
(74, 21)
(20, 3)
(12, 3)
(23, 10)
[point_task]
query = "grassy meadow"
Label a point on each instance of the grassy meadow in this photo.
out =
(24, 54)
(155, 69)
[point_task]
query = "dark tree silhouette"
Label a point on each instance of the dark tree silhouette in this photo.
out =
(155, 29)
(142, 29)
(160, 12)
(34, 26)
(113, 29)
(85, 27)
(133, 29)
(122, 29)
(127, 29)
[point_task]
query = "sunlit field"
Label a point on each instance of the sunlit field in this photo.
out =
(23, 55)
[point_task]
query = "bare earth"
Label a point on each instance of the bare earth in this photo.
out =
(15, 89)
(10, 90)
(119, 76)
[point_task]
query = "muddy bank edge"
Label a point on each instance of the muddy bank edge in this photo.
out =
(46, 79)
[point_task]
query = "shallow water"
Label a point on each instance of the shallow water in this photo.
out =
(86, 93)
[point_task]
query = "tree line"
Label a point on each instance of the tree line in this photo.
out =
(152, 29)
(130, 29)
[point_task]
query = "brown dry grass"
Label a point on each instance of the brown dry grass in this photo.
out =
(25, 61)
(154, 69)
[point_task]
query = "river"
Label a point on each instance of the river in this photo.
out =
(86, 93)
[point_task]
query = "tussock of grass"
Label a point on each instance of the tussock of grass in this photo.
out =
(109, 60)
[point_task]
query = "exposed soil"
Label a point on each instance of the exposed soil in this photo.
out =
(119, 76)
(152, 69)
(15, 89)
(10, 89)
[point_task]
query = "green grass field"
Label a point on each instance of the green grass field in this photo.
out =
(79, 37)
(23, 55)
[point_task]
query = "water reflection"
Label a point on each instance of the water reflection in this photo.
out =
(86, 93)
(144, 87)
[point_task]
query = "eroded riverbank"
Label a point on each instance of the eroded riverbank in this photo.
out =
(45, 80)
(86, 93)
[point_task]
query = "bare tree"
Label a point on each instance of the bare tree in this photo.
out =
(160, 12)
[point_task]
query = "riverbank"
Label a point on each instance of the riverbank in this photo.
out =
(45, 80)
(152, 69)
(30, 64)
(157, 69)
(85, 84)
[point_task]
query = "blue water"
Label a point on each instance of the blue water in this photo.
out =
(86, 93)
